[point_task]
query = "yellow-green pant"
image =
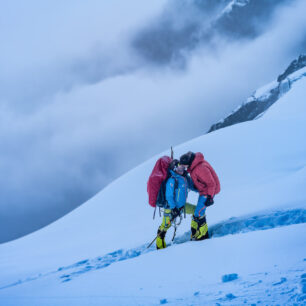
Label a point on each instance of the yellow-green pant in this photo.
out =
(162, 230)
(199, 228)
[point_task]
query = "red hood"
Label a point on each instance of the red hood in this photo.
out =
(204, 176)
(199, 158)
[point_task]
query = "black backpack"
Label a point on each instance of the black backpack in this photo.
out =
(161, 198)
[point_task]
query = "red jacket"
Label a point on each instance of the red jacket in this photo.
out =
(204, 176)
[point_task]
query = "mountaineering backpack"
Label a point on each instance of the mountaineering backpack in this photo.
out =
(156, 185)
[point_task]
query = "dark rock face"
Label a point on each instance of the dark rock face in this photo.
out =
(294, 66)
(243, 20)
(247, 112)
(254, 108)
(188, 24)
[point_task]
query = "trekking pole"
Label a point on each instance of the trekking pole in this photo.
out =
(171, 153)
(174, 232)
(154, 213)
(175, 226)
(157, 235)
(152, 242)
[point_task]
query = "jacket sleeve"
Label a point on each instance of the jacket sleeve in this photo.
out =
(191, 184)
(205, 181)
(170, 192)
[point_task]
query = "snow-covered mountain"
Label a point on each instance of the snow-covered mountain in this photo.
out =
(97, 254)
(264, 97)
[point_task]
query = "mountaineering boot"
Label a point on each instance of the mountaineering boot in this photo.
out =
(162, 230)
(199, 228)
(160, 240)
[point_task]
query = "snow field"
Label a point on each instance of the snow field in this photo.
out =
(268, 270)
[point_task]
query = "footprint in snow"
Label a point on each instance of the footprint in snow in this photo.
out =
(283, 280)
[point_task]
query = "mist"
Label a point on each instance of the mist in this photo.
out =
(77, 112)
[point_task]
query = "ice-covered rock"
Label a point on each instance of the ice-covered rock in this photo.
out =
(265, 96)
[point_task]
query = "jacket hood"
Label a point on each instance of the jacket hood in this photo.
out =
(174, 174)
(199, 158)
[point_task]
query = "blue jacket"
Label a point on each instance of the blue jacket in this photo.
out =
(176, 197)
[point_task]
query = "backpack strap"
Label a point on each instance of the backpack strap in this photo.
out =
(175, 186)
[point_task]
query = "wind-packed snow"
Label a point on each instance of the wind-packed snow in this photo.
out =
(97, 254)
(265, 91)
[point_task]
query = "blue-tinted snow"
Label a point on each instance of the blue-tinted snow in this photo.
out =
(229, 277)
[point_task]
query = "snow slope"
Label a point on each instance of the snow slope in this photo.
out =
(97, 254)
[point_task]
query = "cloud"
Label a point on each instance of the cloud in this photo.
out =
(52, 47)
(94, 119)
(168, 38)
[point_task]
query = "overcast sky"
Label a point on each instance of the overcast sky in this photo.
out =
(91, 89)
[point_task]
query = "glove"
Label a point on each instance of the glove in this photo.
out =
(209, 201)
(175, 212)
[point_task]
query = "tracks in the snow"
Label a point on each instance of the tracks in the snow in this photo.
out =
(253, 223)
(245, 224)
